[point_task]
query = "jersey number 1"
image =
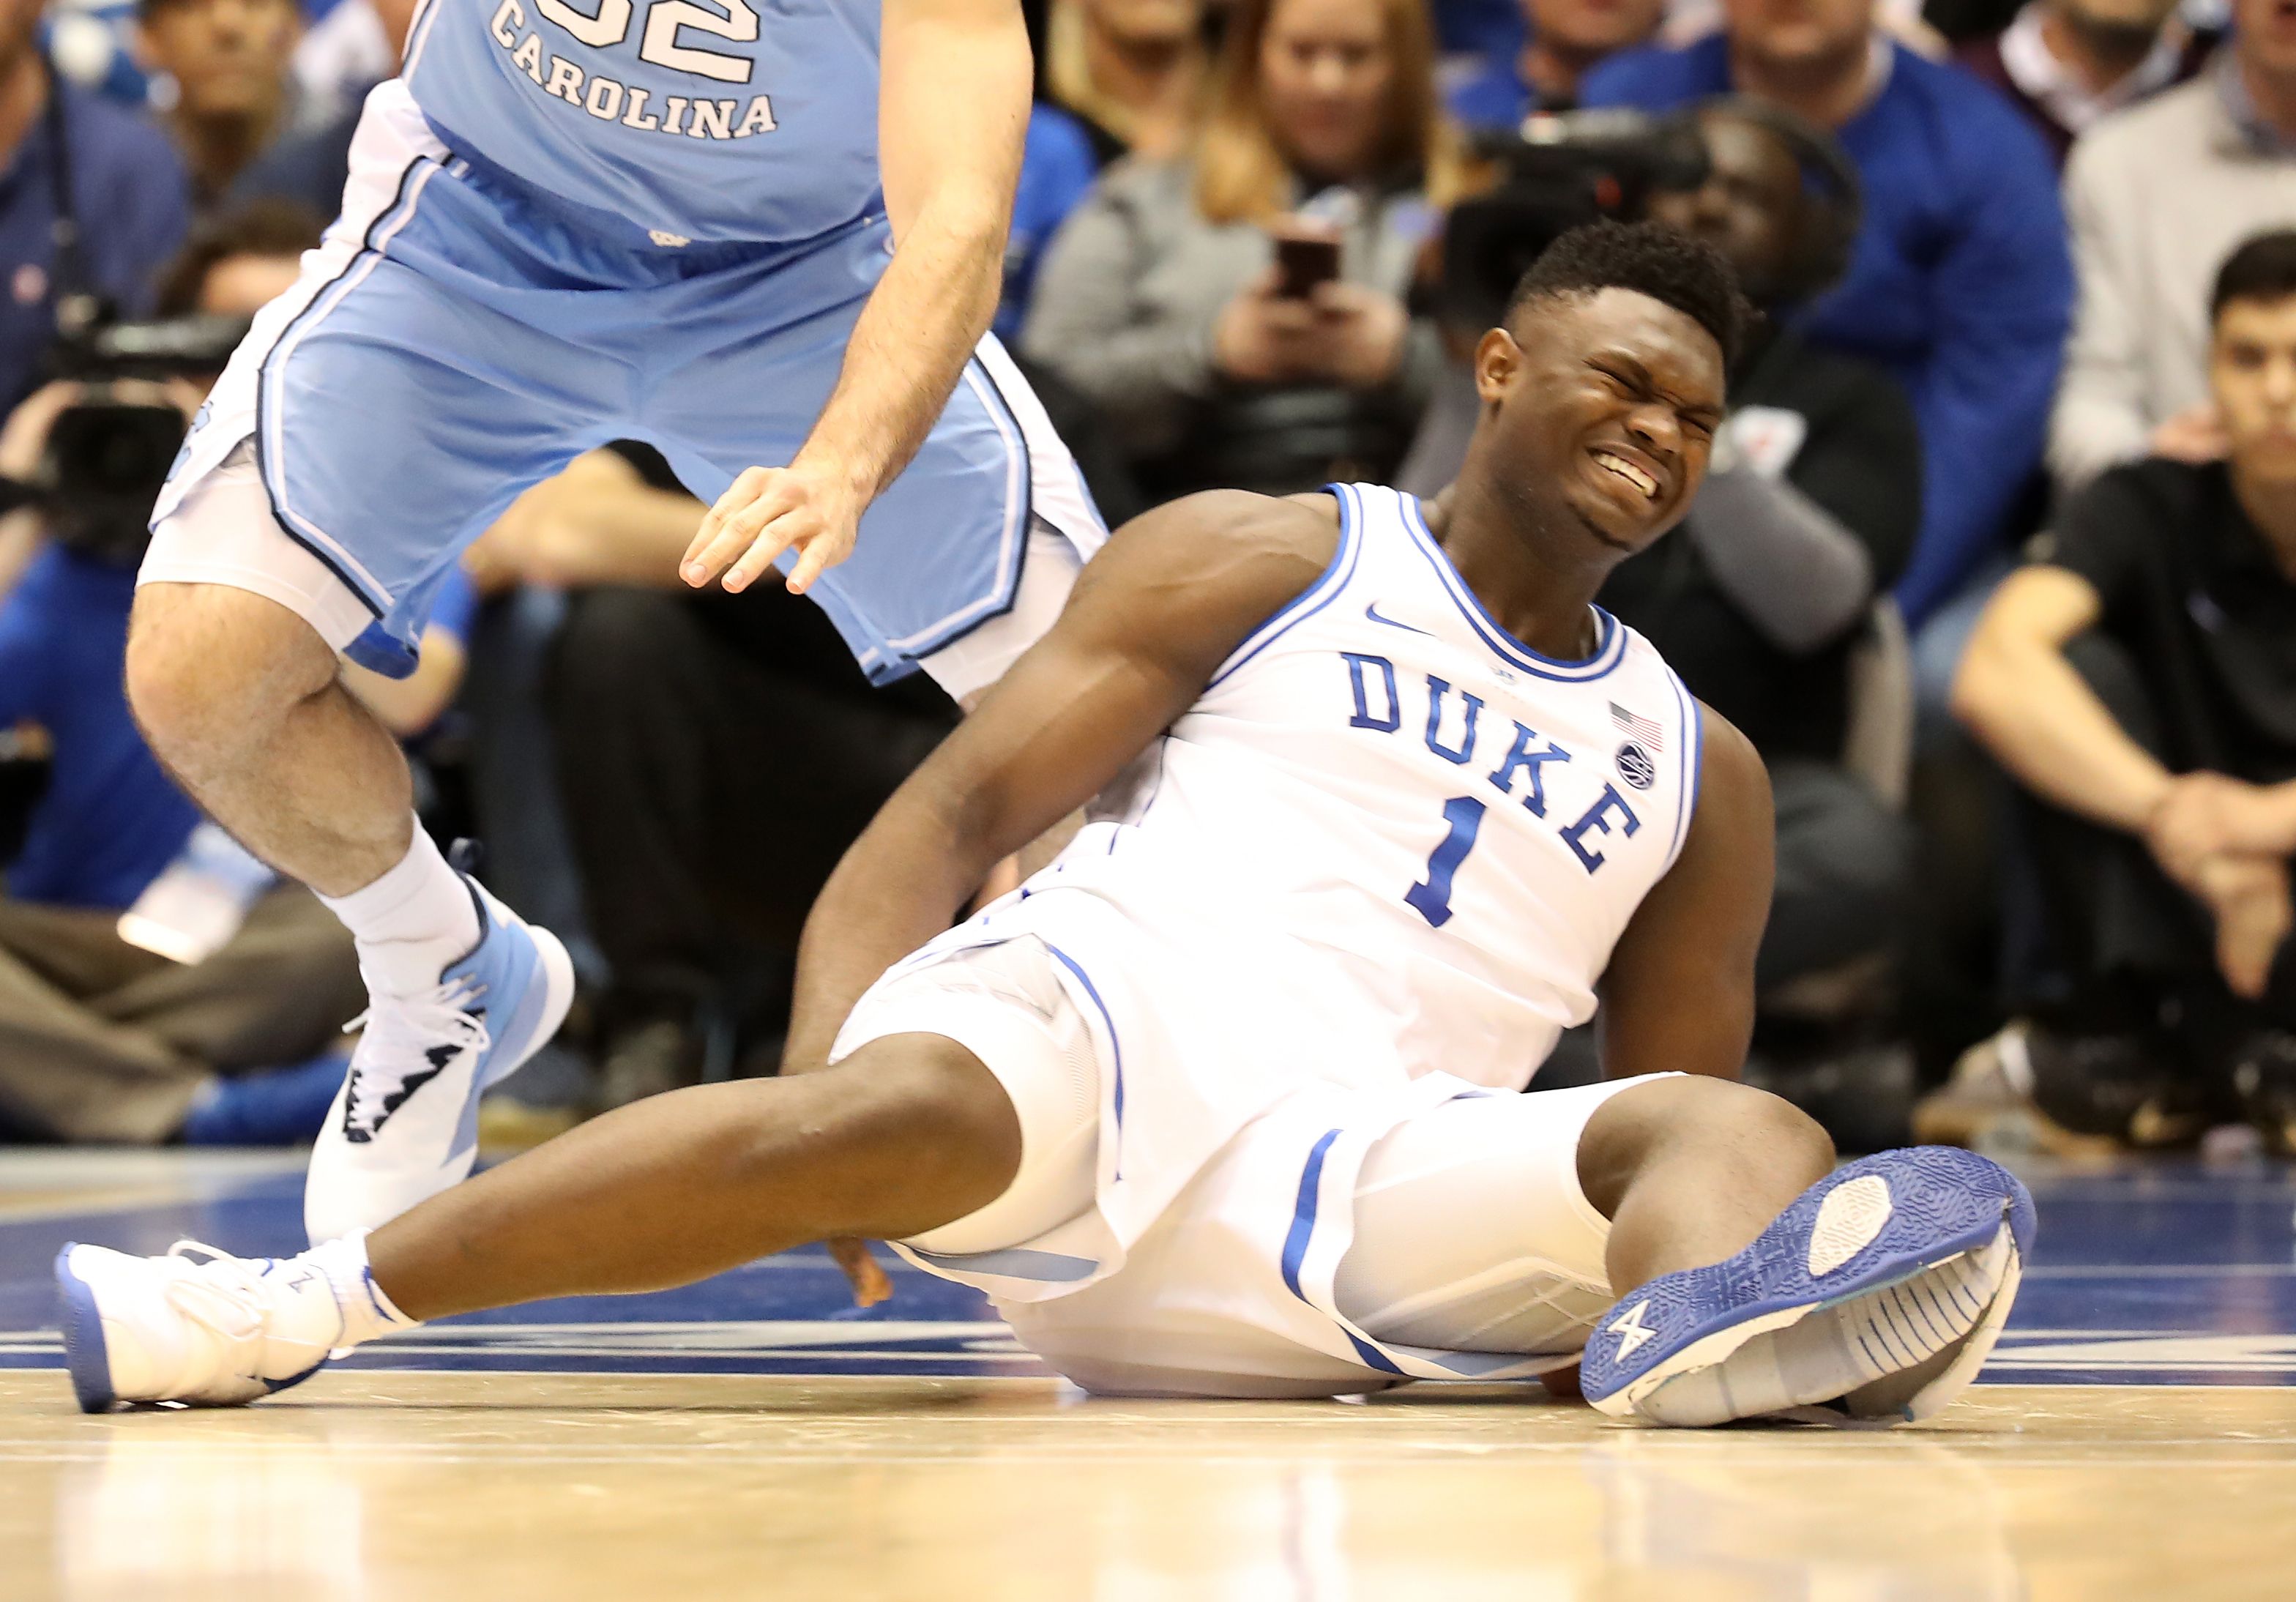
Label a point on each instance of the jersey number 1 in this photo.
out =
(612, 25)
(1432, 900)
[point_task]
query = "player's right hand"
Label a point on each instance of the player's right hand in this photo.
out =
(769, 510)
(871, 1283)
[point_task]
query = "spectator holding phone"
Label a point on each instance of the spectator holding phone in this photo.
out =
(1237, 316)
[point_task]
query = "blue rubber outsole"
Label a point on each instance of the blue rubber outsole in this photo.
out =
(85, 1353)
(1943, 1202)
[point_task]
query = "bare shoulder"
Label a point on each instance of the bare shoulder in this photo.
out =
(1278, 529)
(1729, 759)
(1225, 558)
(1734, 788)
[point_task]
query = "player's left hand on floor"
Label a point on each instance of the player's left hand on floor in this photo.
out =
(871, 1283)
(766, 512)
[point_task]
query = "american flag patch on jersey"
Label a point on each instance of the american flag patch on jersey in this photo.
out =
(1649, 732)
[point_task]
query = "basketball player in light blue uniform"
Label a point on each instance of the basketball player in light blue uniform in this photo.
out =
(1224, 1102)
(767, 240)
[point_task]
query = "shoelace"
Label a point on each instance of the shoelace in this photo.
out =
(226, 1295)
(400, 1034)
(220, 1293)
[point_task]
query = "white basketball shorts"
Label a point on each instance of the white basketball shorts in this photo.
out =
(1345, 1240)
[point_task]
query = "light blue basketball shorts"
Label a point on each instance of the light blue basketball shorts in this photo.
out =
(454, 343)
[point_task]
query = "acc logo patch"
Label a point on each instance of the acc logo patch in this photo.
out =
(1636, 767)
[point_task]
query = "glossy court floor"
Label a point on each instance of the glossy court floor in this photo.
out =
(2135, 1437)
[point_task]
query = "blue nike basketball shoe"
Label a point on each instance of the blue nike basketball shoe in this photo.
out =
(405, 1124)
(1876, 1295)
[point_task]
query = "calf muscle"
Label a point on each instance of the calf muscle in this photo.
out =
(908, 1133)
(240, 698)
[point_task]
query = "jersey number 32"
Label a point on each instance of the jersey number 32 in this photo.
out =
(659, 45)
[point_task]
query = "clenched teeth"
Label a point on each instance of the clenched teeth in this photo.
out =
(1631, 473)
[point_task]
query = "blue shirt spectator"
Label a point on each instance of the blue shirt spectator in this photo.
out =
(1496, 97)
(128, 193)
(1960, 285)
(110, 819)
(1057, 166)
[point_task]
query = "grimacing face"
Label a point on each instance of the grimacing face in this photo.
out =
(1751, 206)
(1607, 405)
(2253, 371)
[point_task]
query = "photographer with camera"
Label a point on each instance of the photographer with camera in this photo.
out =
(154, 978)
(1238, 318)
(92, 203)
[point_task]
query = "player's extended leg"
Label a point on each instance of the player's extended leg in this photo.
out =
(909, 1133)
(1874, 1292)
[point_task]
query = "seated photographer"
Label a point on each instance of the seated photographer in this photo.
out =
(2139, 680)
(1218, 354)
(1565, 41)
(189, 1030)
(126, 205)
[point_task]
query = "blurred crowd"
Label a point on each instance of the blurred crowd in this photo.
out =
(1996, 562)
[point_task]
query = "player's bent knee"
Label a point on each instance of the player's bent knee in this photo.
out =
(1692, 1114)
(941, 1135)
(207, 664)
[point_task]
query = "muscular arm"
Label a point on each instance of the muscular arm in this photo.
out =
(1151, 620)
(952, 111)
(1679, 992)
(2023, 699)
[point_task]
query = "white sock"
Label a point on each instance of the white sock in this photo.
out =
(367, 1312)
(411, 923)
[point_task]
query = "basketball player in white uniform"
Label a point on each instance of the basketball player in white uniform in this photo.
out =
(1224, 1102)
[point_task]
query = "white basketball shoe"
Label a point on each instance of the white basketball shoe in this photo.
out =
(195, 1326)
(405, 1124)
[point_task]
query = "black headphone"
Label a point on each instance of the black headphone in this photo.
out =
(1833, 196)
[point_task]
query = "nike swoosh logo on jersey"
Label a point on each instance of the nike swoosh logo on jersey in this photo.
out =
(1371, 611)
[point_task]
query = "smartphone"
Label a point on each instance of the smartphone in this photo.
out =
(1303, 262)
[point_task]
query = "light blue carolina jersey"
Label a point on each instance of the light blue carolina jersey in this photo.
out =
(725, 121)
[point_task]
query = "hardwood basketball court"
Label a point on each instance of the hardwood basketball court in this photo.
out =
(752, 1437)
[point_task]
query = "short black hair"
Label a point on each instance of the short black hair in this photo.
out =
(2263, 268)
(1686, 274)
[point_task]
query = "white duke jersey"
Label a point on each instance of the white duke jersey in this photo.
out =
(1427, 836)
(722, 120)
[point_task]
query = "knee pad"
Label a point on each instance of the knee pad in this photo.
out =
(1003, 1004)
